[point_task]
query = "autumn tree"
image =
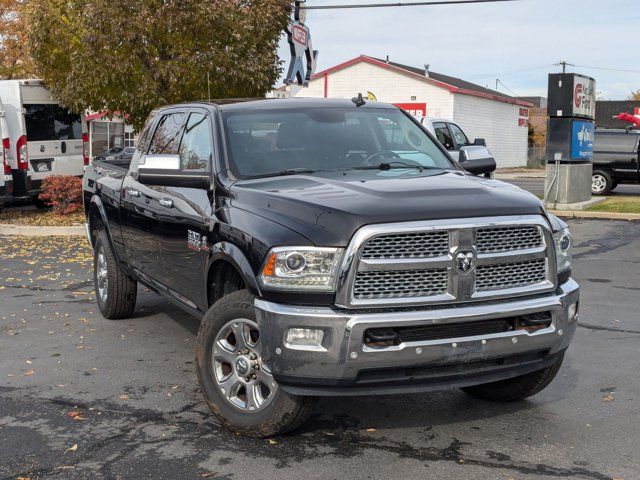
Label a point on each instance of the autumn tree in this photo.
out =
(635, 95)
(14, 57)
(131, 56)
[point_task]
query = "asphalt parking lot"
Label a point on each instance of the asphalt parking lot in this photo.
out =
(86, 398)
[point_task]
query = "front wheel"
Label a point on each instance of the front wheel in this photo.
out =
(115, 291)
(236, 383)
(518, 388)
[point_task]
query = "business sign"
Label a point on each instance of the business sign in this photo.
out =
(303, 57)
(584, 97)
(416, 109)
(571, 95)
(582, 134)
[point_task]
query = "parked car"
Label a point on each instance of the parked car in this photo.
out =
(47, 138)
(616, 159)
(6, 180)
(117, 155)
(453, 138)
(331, 248)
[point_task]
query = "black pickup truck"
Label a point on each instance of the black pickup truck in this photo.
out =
(616, 159)
(331, 247)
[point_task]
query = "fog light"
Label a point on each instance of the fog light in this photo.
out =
(305, 338)
(572, 312)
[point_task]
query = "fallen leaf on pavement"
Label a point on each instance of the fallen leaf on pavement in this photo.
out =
(124, 397)
(76, 415)
(29, 362)
(30, 372)
(272, 441)
(72, 449)
(371, 429)
(209, 474)
(608, 398)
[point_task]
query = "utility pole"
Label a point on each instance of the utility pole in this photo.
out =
(564, 66)
(497, 83)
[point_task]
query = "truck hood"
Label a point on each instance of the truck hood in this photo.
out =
(328, 209)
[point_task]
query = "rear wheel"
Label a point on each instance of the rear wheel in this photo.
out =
(517, 388)
(236, 383)
(116, 292)
(601, 183)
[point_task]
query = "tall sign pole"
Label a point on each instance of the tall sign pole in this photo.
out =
(570, 135)
(303, 57)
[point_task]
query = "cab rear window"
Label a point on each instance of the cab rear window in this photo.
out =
(51, 122)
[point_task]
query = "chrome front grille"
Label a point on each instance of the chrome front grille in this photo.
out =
(410, 245)
(400, 283)
(508, 238)
(447, 261)
(510, 275)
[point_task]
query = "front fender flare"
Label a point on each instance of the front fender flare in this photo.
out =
(96, 203)
(230, 253)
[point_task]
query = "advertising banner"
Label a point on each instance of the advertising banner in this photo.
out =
(415, 109)
(582, 134)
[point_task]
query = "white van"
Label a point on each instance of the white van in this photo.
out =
(6, 180)
(46, 138)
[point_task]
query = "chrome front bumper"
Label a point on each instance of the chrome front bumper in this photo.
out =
(337, 365)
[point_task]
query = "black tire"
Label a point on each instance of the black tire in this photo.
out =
(282, 414)
(121, 290)
(601, 183)
(40, 204)
(518, 388)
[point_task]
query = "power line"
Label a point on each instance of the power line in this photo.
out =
(500, 82)
(401, 4)
(608, 68)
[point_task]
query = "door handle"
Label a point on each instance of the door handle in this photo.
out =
(165, 202)
(133, 193)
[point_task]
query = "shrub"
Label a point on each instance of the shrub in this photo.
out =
(63, 193)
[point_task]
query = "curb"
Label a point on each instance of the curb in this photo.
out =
(36, 231)
(631, 217)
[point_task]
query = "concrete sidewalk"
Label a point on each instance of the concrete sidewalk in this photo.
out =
(37, 231)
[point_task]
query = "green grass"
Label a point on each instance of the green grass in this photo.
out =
(618, 204)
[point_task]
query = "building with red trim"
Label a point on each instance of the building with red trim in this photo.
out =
(500, 119)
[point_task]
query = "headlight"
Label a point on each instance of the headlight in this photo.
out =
(564, 243)
(301, 268)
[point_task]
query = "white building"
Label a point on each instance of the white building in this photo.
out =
(482, 113)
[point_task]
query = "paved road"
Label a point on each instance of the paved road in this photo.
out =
(125, 392)
(535, 185)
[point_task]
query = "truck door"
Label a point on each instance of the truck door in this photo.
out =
(183, 228)
(140, 205)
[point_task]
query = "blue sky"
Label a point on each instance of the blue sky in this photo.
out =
(516, 42)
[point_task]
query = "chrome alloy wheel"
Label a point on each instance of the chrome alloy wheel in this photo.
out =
(239, 372)
(101, 275)
(598, 183)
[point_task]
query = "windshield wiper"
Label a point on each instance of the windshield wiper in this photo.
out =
(390, 165)
(288, 171)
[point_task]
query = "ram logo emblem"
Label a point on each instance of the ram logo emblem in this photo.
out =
(465, 261)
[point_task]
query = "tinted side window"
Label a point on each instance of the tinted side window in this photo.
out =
(166, 138)
(39, 122)
(458, 135)
(196, 150)
(443, 135)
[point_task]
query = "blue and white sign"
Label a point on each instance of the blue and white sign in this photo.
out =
(582, 140)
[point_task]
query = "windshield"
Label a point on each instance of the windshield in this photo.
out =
(319, 139)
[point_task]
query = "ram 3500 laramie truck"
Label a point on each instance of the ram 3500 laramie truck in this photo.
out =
(331, 247)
